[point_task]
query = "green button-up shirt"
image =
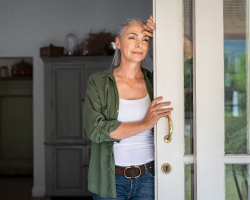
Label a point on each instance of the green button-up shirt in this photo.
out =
(100, 119)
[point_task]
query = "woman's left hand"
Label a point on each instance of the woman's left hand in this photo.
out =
(149, 27)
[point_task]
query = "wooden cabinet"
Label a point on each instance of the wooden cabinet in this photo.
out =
(16, 129)
(67, 148)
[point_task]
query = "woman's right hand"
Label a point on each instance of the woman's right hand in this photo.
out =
(155, 112)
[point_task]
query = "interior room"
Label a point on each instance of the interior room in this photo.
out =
(27, 26)
(49, 48)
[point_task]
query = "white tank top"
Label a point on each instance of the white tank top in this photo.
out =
(137, 149)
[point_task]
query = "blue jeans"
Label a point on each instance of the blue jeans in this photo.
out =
(141, 188)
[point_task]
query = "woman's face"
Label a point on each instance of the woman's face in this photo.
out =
(133, 43)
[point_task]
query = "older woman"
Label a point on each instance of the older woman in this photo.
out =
(120, 113)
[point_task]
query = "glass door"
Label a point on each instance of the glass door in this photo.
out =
(236, 90)
(208, 157)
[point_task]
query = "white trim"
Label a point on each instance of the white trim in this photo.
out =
(194, 103)
(209, 99)
(237, 159)
(155, 72)
(38, 191)
(188, 159)
(248, 71)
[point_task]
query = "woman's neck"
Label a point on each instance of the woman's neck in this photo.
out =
(131, 71)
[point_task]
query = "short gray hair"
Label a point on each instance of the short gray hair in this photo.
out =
(117, 56)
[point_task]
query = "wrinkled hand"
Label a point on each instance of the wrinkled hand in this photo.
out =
(149, 27)
(155, 112)
(188, 44)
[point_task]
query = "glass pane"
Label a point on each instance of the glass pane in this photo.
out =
(189, 182)
(235, 76)
(237, 181)
(188, 75)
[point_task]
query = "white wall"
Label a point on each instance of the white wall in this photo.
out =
(27, 25)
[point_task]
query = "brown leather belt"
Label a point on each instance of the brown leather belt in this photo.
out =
(132, 172)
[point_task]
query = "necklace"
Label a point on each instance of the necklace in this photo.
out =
(128, 83)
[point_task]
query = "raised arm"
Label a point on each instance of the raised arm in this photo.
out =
(188, 44)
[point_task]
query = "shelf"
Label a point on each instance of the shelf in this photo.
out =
(17, 78)
(9, 62)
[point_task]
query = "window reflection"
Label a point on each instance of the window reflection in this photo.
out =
(189, 182)
(235, 79)
(188, 75)
(236, 181)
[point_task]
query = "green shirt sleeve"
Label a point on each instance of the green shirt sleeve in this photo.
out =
(96, 125)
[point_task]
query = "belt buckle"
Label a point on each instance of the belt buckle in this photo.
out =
(129, 168)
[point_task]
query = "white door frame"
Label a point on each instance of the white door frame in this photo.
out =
(209, 95)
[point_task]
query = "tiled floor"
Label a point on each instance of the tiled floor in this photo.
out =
(19, 188)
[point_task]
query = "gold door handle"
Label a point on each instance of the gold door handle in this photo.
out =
(168, 137)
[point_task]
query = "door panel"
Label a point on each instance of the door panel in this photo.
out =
(67, 176)
(67, 102)
(168, 82)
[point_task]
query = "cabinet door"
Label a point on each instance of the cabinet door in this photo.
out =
(69, 171)
(16, 133)
(67, 95)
